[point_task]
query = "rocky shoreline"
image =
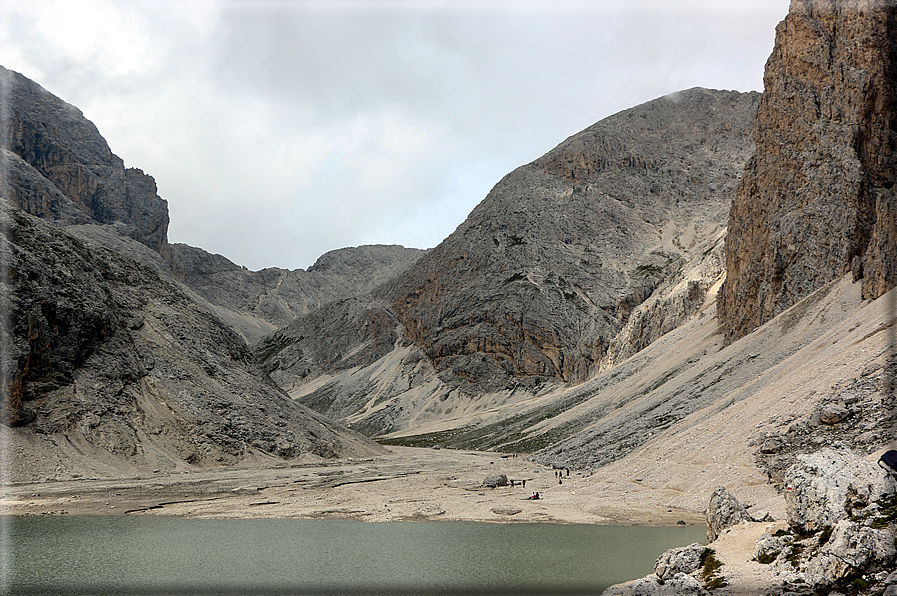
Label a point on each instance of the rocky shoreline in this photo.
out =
(838, 537)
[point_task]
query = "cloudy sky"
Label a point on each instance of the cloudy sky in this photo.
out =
(278, 130)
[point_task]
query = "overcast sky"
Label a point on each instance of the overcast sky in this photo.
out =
(280, 130)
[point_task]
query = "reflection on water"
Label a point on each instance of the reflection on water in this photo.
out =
(172, 556)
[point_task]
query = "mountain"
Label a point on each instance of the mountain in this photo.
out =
(58, 167)
(111, 368)
(571, 264)
(817, 199)
(718, 398)
(259, 302)
(110, 364)
(573, 315)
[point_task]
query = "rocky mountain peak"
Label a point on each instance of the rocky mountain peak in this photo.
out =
(58, 167)
(817, 198)
(546, 270)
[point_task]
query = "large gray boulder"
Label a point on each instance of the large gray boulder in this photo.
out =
(825, 487)
(680, 584)
(852, 547)
(724, 511)
(494, 480)
(685, 559)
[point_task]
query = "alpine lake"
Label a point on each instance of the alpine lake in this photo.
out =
(159, 555)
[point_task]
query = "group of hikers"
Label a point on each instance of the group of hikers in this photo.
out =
(558, 474)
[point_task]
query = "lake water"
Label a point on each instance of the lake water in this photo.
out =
(145, 555)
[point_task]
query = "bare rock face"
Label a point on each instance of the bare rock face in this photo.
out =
(680, 584)
(817, 198)
(851, 547)
(685, 559)
(723, 512)
(830, 485)
(109, 361)
(258, 302)
(569, 265)
(59, 167)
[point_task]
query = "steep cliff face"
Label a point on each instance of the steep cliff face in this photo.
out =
(61, 169)
(817, 199)
(104, 355)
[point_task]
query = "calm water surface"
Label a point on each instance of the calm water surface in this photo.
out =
(173, 556)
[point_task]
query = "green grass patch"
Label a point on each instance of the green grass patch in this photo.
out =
(767, 558)
(710, 567)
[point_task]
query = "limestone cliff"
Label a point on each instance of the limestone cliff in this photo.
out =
(59, 168)
(817, 198)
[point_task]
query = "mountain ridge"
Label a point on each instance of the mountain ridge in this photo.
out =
(535, 287)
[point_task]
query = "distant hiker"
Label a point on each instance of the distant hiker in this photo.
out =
(560, 481)
(568, 472)
(524, 482)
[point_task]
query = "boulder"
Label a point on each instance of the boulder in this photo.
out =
(494, 480)
(833, 413)
(851, 548)
(684, 559)
(830, 485)
(724, 511)
(768, 547)
(680, 584)
(771, 445)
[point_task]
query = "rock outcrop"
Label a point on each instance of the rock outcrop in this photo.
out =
(817, 199)
(681, 584)
(684, 559)
(674, 573)
(830, 485)
(57, 166)
(723, 512)
(842, 517)
(850, 549)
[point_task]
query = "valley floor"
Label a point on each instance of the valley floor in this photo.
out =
(407, 484)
